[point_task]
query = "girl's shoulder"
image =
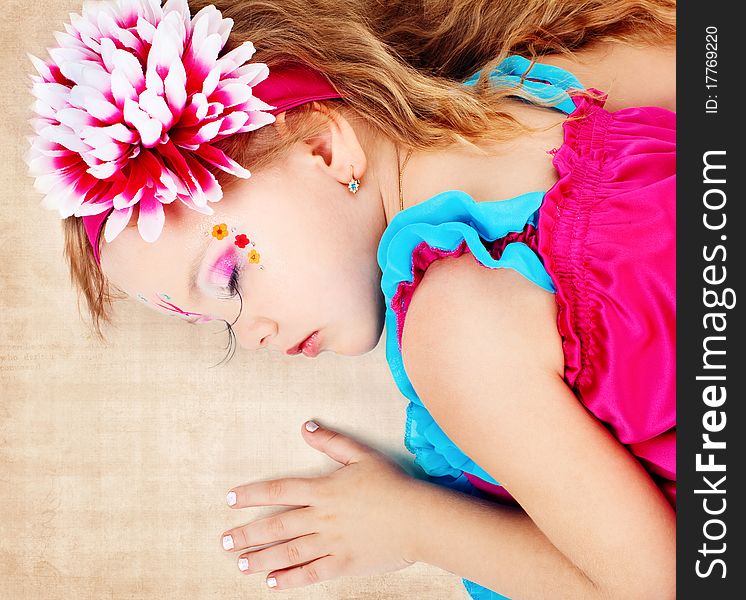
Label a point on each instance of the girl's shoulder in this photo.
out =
(482, 316)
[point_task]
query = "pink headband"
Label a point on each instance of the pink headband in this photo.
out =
(285, 88)
(137, 80)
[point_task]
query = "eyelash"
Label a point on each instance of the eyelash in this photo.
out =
(233, 281)
(234, 290)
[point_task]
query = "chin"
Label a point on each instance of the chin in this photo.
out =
(365, 341)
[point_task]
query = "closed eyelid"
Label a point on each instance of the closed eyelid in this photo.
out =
(223, 267)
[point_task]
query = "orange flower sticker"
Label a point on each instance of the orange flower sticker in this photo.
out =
(220, 231)
(253, 257)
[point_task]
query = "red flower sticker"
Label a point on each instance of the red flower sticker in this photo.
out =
(242, 241)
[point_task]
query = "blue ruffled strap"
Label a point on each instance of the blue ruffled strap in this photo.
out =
(558, 81)
(444, 222)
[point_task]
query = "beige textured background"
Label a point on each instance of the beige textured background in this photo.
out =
(115, 459)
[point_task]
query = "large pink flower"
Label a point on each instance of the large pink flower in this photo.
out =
(128, 108)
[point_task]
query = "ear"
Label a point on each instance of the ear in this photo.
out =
(336, 148)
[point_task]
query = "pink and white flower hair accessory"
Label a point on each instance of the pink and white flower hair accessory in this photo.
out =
(128, 108)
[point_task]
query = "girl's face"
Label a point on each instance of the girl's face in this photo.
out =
(288, 252)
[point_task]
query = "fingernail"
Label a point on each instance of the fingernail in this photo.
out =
(310, 426)
(227, 542)
(271, 582)
(243, 564)
(231, 498)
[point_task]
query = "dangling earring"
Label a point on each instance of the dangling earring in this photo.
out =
(354, 184)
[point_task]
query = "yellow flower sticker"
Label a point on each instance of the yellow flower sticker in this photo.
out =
(220, 231)
(253, 257)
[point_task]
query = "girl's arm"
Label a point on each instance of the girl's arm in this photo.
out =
(482, 350)
(631, 75)
(494, 545)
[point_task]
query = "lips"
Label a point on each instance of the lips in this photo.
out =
(309, 346)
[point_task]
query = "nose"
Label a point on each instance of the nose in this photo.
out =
(257, 334)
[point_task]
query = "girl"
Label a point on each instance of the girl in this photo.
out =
(518, 222)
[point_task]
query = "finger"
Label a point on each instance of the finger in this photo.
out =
(290, 491)
(282, 556)
(321, 569)
(338, 446)
(284, 526)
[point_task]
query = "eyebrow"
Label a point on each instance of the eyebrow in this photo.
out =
(194, 268)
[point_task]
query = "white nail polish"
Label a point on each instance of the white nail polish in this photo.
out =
(271, 582)
(231, 498)
(243, 564)
(228, 542)
(311, 426)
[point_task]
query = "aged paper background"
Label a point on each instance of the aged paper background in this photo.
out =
(115, 458)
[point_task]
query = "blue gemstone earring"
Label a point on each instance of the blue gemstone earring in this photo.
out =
(354, 184)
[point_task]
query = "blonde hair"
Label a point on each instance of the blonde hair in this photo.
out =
(399, 65)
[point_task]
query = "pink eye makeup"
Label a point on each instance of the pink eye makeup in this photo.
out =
(224, 272)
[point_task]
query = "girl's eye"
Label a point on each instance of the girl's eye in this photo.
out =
(224, 275)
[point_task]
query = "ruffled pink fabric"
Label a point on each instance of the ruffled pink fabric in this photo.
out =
(606, 235)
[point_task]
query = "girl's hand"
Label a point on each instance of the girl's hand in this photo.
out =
(350, 522)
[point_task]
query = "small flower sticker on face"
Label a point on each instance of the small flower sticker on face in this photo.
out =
(242, 241)
(253, 257)
(220, 231)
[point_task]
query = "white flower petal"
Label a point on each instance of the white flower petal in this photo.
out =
(129, 66)
(104, 170)
(151, 218)
(145, 30)
(257, 120)
(149, 129)
(65, 40)
(116, 222)
(83, 25)
(54, 95)
(156, 107)
(174, 85)
(122, 88)
(75, 118)
(211, 81)
(252, 74)
(237, 57)
(107, 53)
(41, 67)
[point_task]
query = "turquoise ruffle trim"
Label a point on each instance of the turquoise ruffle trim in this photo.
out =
(513, 69)
(444, 222)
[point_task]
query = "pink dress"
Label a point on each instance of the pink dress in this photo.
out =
(603, 239)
